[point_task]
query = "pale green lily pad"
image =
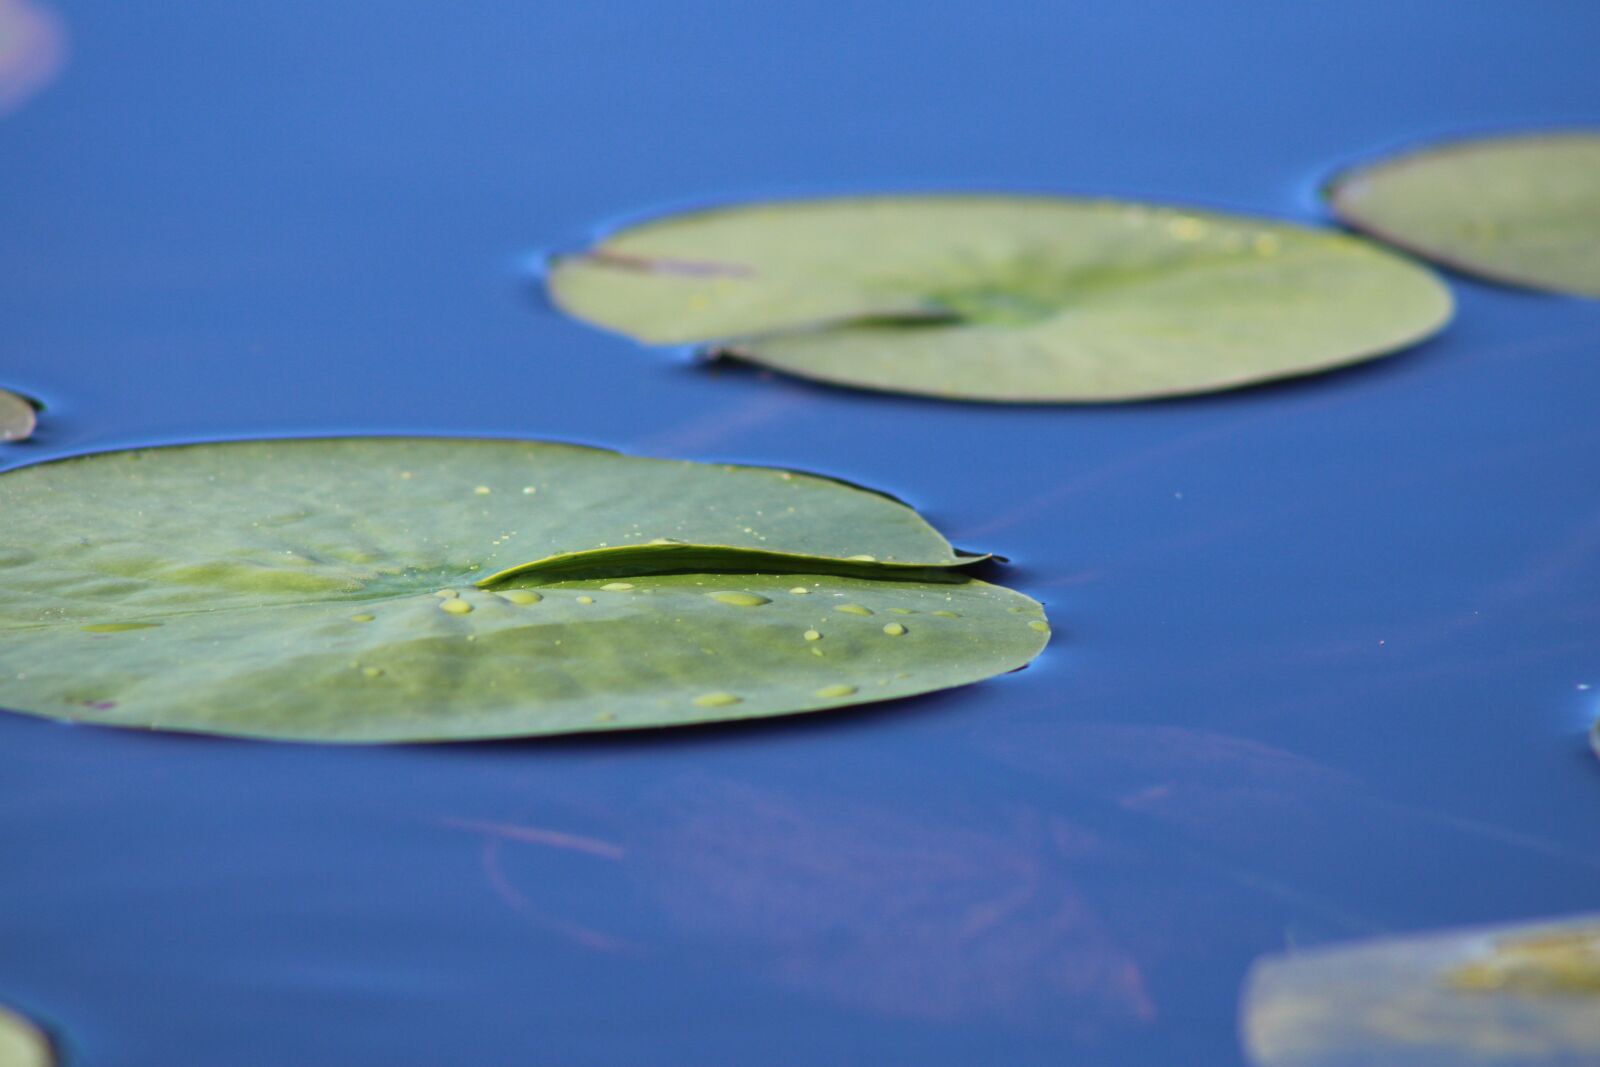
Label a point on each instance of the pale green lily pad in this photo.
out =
(423, 589)
(1515, 995)
(17, 417)
(1521, 209)
(21, 1043)
(1005, 298)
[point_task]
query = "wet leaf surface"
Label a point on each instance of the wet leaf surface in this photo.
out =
(1521, 209)
(427, 589)
(1522, 994)
(1005, 298)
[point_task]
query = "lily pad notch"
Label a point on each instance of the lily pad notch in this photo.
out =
(1004, 298)
(423, 589)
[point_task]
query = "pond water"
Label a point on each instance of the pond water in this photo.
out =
(1323, 649)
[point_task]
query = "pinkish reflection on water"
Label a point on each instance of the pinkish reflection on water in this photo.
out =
(33, 49)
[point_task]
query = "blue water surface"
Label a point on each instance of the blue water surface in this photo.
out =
(1322, 648)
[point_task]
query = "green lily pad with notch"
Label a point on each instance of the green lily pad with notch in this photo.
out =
(1522, 209)
(21, 1043)
(18, 417)
(411, 589)
(1005, 298)
(1515, 996)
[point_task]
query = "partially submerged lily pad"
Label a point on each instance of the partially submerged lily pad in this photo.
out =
(18, 417)
(426, 589)
(1522, 209)
(1509, 995)
(21, 1043)
(1005, 298)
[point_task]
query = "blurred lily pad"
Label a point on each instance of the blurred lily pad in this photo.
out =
(1521, 209)
(1511, 995)
(18, 417)
(1005, 298)
(21, 1043)
(411, 589)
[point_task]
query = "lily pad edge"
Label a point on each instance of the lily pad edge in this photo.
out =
(1407, 152)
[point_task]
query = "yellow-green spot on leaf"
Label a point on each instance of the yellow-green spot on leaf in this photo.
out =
(1566, 963)
(363, 617)
(945, 614)
(586, 599)
(739, 599)
(901, 611)
(372, 672)
(833, 692)
(864, 558)
(894, 629)
(446, 594)
(483, 490)
(717, 700)
(455, 606)
(813, 635)
(799, 590)
(617, 587)
(853, 609)
(117, 627)
(1040, 625)
(520, 596)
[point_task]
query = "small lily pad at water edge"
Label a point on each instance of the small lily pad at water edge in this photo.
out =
(21, 1043)
(17, 417)
(1522, 209)
(424, 589)
(1005, 298)
(1510, 996)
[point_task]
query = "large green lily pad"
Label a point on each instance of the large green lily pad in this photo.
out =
(21, 1043)
(1005, 298)
(1510, 995)
(1522, 209)
(426, 589)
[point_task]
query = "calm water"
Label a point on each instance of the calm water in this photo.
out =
(1322, 648)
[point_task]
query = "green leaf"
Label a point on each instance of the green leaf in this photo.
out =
(21, 1043)
(17, 417)
(1005, 298)
(1523, 209)
(415, 589)
(1510, 995)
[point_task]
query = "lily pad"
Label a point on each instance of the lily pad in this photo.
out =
(1509, 995)
(18, 417)
(21, 1043)
(409, 589)
(1005, 298)
(1522, 209)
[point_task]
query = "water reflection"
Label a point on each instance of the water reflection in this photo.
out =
(33, 48)
(943, 916)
